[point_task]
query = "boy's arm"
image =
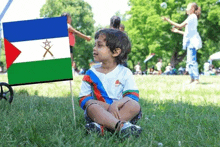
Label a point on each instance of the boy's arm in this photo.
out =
(85, 96)
(85, 93)
(71, 29)
(117, 105)
(103, 104)
(121, 102)
(130, 92)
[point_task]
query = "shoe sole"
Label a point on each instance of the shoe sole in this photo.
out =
(93, 128)
(134, 131)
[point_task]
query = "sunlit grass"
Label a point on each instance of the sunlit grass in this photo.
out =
(175, 113)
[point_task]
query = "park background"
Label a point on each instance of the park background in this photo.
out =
(145, 28)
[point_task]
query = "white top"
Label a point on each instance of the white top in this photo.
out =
(159, 65)
(206, 66)
(191, 37)
(168, 68)
(137, 68)
(108, 87)
(68, 25)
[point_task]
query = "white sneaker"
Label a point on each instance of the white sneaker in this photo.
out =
(94, 127)
(129, 129)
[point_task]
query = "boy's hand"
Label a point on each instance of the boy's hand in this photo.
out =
(113, 109)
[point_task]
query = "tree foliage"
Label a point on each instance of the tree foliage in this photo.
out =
(82, 20)
(149, 34)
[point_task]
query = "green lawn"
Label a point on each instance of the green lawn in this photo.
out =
(175, 113)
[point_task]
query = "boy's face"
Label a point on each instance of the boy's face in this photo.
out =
(101, 52)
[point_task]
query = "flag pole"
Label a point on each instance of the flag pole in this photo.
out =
(74, 115)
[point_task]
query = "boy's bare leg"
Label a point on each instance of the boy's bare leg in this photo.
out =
(129, 110)
(100, 115)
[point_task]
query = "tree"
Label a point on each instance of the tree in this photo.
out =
(149, 34)
(82, 20)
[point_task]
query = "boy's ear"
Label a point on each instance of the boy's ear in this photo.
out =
(116, 52)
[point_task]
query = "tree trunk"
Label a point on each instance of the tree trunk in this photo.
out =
(176, 58)
(132, 65)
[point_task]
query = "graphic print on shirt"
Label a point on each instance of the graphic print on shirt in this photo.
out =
(117, 83)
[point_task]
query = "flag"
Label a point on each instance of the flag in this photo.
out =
(37, 51)
(215, 56)
(149, 57)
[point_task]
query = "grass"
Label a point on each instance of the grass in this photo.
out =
(175, 113)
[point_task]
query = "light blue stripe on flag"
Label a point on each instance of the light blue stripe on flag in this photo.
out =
(35, 29)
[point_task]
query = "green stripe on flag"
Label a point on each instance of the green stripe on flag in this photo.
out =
(40, 71)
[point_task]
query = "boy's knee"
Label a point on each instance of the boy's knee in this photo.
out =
(134, 106)
(91, 106)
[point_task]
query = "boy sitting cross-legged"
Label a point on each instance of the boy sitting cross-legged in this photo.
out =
(109, 96)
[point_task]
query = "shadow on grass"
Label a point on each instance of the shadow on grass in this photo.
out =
(48, 121)
(205, 83)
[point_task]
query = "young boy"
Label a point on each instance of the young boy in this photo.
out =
(109, 96)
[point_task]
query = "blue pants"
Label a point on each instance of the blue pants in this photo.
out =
(192, 63)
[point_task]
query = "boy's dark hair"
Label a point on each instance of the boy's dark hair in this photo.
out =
(116, 39)
(66, 14)
(115, 22)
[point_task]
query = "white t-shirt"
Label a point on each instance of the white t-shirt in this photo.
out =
(108, 87)
(191, 37)
(159, 65)
(206, 66)
(137, 68)
(168, 68)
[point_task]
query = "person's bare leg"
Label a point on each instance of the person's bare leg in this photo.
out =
(100, 115)
(129, 110)
(197, 81)
(192, 80)
(71, 55)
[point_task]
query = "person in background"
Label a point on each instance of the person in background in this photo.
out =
(206, 68)
(122, 28)
(168, 69)
(191, 38)
(72, 32)
(159, 66)
(138, 69)
(115, 22)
